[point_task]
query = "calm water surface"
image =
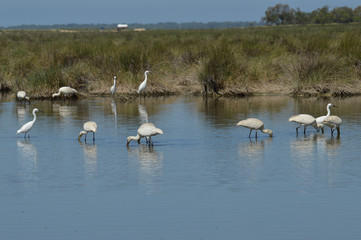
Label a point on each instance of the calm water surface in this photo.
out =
(203, 179)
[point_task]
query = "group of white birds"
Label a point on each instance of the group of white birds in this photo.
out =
(332, 121)
(146, 130)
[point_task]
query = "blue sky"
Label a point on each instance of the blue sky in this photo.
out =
(48, 12)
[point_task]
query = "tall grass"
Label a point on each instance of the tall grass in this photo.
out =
(301, 56)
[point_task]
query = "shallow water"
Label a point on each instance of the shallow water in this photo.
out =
(203, 179)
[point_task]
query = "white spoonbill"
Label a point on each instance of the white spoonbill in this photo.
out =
(66, 92)
(254, 124)
(334, 122)
(146, 130)
(304, 120)
(144, 83)
(21, 96)
(319, 120)
(89, 127)
(27, 126)
(113, 89)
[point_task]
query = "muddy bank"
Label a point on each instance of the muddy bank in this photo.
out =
(190, 87)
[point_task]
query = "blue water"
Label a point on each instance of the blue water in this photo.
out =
(203, 179)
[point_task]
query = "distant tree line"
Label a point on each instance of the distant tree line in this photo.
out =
(165, 25)
(282, 14)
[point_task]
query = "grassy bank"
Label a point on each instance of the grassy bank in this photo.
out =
(293, 59)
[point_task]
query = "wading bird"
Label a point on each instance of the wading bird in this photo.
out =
(304, 120)
(113, 89)
(320, 120)
(334, 122)
(21, 96)
(88, 127)
(144, 83)
(146, 130)
(27, 126)
(66, 92)
(254, 124)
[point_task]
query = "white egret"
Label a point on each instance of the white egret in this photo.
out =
(27, 126)
(304, 120)
(254, 124)
(334, 122)
(21, 96)
(144, 83)
(113, 89)
(319, 120)
(89, 127)
(66, 92)
(146, 130)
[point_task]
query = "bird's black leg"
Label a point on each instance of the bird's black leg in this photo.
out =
(256, 133)
(85, 137)
(297, 129)
(93, 136)
(304, 130)
(250, 131)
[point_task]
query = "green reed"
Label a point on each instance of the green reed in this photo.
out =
(41, 61)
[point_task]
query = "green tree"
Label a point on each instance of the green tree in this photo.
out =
(321, 15)
(357, 14)
(301, 17)
(342, 15)
(280, 14)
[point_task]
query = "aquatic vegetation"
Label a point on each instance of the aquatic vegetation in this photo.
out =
(300, 57)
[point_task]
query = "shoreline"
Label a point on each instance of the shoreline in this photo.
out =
(127, 93)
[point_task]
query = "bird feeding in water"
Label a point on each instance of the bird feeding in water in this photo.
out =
(27, 126)
(333, 122)
(21, 96)
(320, 120)
(144, 83)
(88, 127)
(146, 130)
(113, 89)
(254, 124)
(66, 92)
(303, 120)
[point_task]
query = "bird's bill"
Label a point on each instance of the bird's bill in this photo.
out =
(335, 106)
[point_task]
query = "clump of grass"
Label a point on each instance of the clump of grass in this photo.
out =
(217, 68)
(310, 69)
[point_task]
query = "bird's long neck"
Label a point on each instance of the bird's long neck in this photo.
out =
(328, 111)
(34, 116)
(115, 81)
(56, 94)
(146, 77)
(136, 138)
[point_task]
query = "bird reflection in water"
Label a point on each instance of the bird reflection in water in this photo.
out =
(149, 163)
(315, 158)
(143, 114)
(254, 149)
(21, 112)
(252, 158)
(114, 111)
(29, 157)
(64, 110)
(90, 157)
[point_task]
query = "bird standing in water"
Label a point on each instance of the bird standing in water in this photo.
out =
(27, 126)
(146, 130)
(254, 124)
(88, 127)
(304, 120)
